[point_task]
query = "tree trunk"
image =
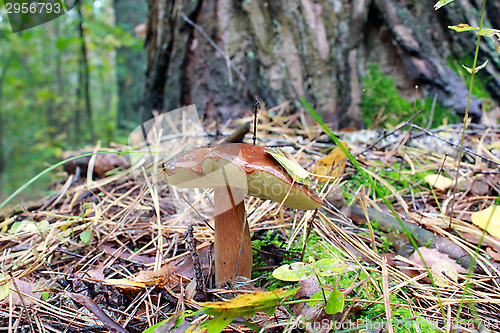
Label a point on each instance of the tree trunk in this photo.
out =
(84, 73)
(3, 73)
(320, 50)
(131, 63)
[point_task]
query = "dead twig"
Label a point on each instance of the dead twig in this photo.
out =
(201, 291)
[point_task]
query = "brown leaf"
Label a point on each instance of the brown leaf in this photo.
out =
(493, 254)
(190, 290)
(25, 287)
(441, 266)
(308, 288)
(163, 277)
(332, 165)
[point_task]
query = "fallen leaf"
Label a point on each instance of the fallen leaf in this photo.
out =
(294, 169)
(312, 311)
(5, 288)
(493, 254)
(488, 219)
(245, 305)
(103, 162)
(442, 271)
(332, 165)
(439, 181)
(439, 265)
(161, 278)
(190, 291)
(25, 287)
(298, 271)
(30, 227)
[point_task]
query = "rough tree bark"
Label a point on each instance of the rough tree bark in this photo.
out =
(131, 63)
(317, 49)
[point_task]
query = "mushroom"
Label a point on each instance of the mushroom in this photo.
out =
(234, 170)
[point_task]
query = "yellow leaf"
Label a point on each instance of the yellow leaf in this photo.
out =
(488, 219)
(495, 145)
(4, 288)
(439, 181)
(462, 27)
(477, 69)
(332, 165)
(196, 328)
(145, 279)
(293, 169)
(438, 271)
(247, 304)
(126, 284)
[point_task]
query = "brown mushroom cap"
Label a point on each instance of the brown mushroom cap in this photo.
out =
(244, 166)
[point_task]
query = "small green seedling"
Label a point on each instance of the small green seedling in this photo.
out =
(332, 300)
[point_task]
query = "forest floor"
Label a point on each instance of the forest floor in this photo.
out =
(112, 254)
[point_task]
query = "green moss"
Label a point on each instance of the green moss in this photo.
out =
(402, 318)
(385, 244)
(380, 93)
(261, 275)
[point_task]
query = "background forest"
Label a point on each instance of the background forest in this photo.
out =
(59, 87)
(96, 72)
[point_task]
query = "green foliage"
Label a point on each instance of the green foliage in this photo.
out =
(298, 271)
(403, 319)
(332, 300)
(380, 94)
(39, 90)
(385, 244)
(479, 88)
(271, 238)
(397, 175)
(335, 300)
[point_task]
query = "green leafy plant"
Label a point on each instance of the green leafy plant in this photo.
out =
(331, 299)
(245, 305)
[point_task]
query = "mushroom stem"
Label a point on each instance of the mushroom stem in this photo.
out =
(230, 228)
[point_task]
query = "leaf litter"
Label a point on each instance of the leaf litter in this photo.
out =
(117, 243)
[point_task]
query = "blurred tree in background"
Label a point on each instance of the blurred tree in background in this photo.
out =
(130, 61)
(58, 86)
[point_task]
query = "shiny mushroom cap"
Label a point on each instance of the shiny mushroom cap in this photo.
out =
(244, 166)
